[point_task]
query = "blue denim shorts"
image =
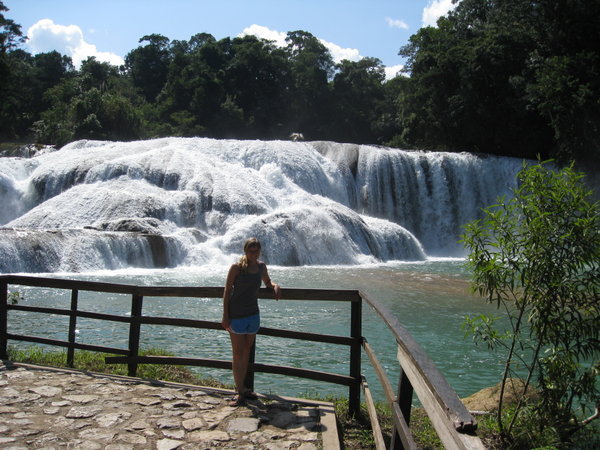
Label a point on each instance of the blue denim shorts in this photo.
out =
(245, 325)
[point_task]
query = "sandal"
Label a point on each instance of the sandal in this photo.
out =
(250, 394)
(238, 400)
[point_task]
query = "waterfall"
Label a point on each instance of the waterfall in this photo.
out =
(188, 201)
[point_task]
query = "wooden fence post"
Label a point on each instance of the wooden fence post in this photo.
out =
(249, 380)
(405, 396)
(3, 320)
(134, 332)
(355, 354)
(72, 328)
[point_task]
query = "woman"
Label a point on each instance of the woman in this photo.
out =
(241, 315)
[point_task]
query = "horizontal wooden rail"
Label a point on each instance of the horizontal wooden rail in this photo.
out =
(337, 295)
(220, 364)
(314, 337)
(186, 323)
(67, 312)
(58, 343)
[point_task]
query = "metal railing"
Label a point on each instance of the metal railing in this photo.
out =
(452, 421)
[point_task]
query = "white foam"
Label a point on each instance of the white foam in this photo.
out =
(310, 203)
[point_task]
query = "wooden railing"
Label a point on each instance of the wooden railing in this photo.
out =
(453, 423)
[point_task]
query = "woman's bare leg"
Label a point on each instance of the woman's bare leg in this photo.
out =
(241, 344)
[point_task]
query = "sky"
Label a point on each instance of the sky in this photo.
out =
(109, 29)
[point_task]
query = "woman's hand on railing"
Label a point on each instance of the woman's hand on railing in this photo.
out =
(276, 291)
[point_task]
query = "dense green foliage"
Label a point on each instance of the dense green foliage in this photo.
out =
(517, 77)
(511, 77)
(537, 257)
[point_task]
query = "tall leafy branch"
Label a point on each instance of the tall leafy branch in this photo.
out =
(536, 256)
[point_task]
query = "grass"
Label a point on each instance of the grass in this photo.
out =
(357, 432)
(94, 362)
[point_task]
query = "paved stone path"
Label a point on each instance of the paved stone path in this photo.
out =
(47, 408)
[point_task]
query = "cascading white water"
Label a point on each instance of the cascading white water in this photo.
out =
(190, 201)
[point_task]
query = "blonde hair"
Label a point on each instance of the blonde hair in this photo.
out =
(251, 242)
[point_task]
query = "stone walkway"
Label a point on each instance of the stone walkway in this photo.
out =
(48, 408)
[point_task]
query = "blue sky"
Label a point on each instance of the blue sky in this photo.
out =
(109, 29)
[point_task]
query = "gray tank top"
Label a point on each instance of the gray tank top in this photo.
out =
(244, 299)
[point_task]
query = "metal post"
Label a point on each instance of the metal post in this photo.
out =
(355, 354)
(3, 320)
(72, 328)
(134, 332)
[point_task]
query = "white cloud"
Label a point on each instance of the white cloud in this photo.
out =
(392, 71)
(46, 36)
(337, 53)
(396, 23)
(278, 37)
(436, 9)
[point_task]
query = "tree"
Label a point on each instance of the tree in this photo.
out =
(148, 66)
(55, 126)
(566, 76)
(96, 74)
(93, 104)
(537, 257)
(469, 77)
(17, 94)
(358, 94)
(12, 119)
(11, 35)
(257, 78)
(312, 68)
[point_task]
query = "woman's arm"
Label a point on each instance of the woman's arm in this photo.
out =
(270, 285)
(231, 275)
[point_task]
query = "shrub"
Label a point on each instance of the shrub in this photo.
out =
(537, 257)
